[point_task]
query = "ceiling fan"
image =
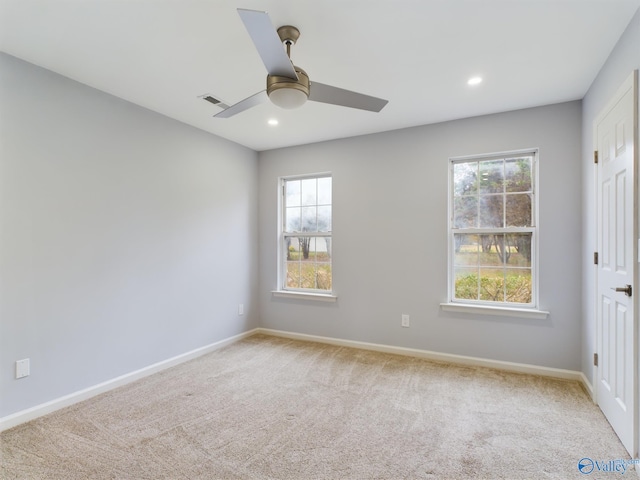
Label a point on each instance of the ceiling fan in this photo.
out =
(288, 86)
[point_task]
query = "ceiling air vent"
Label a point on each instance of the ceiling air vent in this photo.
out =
(216, 101)
(209, 98)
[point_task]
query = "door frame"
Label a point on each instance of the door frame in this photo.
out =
(631, 82)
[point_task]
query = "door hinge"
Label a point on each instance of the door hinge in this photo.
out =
(595, 359)
(595, 258)
(595, 156)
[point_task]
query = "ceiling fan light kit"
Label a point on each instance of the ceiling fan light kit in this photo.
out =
(287, 92)
(289, 86)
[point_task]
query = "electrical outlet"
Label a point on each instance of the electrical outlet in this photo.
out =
(405, 320)
(23, 368)
(241, 309)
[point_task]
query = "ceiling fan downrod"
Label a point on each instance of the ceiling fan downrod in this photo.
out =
(289, 36)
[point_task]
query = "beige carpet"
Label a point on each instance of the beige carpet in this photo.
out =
(271, 408)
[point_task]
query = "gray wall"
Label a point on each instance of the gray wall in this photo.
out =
(127, 238)
(390, 238)
(624, 58)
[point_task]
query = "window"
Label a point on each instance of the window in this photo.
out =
(305, 239)
(493, 241)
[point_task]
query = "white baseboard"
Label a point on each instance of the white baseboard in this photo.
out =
(39, 410)
(588, 387)
(442, 357)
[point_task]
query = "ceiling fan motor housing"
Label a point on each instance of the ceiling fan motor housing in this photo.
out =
(288, 92)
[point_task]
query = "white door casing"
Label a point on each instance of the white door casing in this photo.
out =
(615, 137)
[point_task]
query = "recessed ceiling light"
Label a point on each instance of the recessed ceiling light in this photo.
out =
(474, 81)
(273, 122)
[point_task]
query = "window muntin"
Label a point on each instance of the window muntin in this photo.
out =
(493, 230)
(306, 234)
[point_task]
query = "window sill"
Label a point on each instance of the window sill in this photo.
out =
(491, 310)
(320, 297)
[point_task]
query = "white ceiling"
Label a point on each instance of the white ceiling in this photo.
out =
(418, 54)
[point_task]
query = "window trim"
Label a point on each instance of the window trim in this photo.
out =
(494, 310)
(297, 294)
(282, 290)
(485, 306)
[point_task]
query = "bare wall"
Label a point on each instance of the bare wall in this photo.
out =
(390, 238)
(126, 238)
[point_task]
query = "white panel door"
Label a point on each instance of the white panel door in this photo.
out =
(617, 266)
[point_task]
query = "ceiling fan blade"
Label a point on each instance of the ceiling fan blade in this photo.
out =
(242, 105)
(267, 42)
(319, 92)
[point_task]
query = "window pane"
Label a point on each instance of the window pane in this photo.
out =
(511, 250)
(501, 248)
(292, 193)
(324, 191)
(292, 220)
(309, 191)
(518, 285)
(492, 211)
(292, 246)
(518, 211)
(324, 219)
(465, 212)
(492, 176)
(309, 219)
(466, 287)
(518, 174)
(466, 249)
(309, 263)
(323, 276)
(323, 249)
(492, 284)
(465, 178)
(503, 273)
(490, 253)
(520, 248)
(293, 275)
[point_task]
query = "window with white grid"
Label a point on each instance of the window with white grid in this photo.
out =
(493, 232)
(305, 239)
